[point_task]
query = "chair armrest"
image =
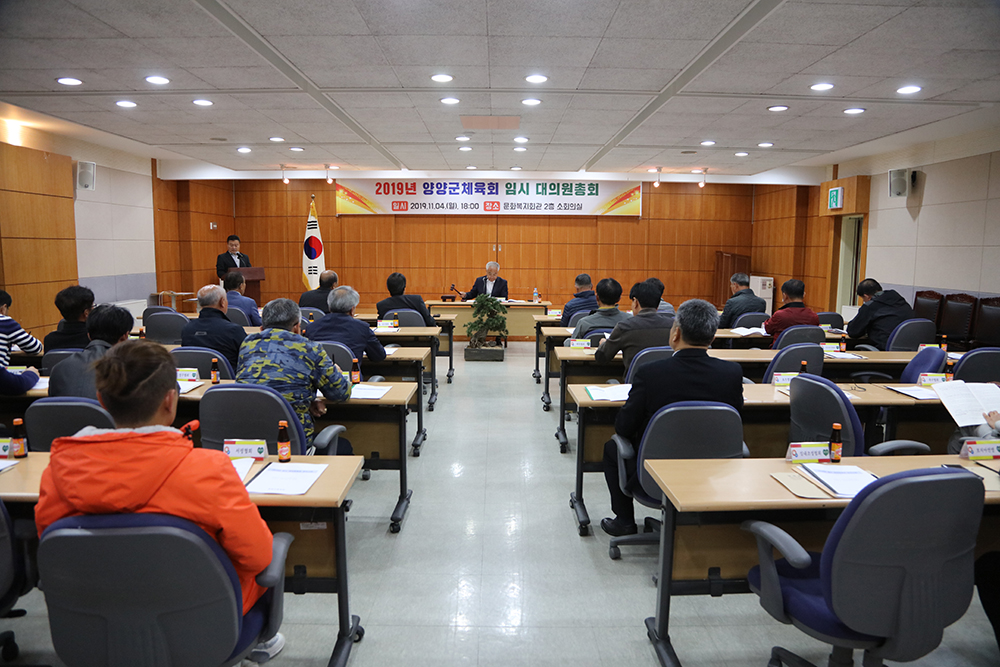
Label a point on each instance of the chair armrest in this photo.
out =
(613, 381)
(326, 441)
(866, 346)
(866, 376)
(770, 537)
(747, 380)
(746, 451)
(625, 452)
(274, 573)
(376, 378)
(907, 447)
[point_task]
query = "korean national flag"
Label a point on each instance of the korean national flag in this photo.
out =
(313, 261)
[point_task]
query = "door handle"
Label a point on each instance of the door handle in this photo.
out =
(500, 247)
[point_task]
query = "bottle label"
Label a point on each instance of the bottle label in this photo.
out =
(18, 448)
(836, 451)
(355, 377)
(215, 377)
(284, 451)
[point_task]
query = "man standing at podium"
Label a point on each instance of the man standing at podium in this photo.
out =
(232, 258)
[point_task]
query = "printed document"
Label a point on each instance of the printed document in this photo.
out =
(843, 481)
(618, 392)
(369, 391)
(188, 385)
(967, 401)
(286, 479)
(749, 331)
(242, 466)
(919, 393)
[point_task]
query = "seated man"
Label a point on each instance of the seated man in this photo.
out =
(235, 285)
(664, 306)
(648, 328)
(793, 313)
(881, 312)
(340, 326)
(213, 329)
(583, 300)
(689, 375)
(74, 304)
(743, 300)
(11, 333)
(145, 466)
(396, 284)
(318, 297)
(491, 284)
(107, 326)
(607, 315)
(295, 367)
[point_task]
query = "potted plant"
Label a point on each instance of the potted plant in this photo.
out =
(488, 316)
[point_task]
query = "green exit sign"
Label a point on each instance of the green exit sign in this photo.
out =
(835, 198)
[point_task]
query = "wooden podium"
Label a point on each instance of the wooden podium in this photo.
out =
(253, 275)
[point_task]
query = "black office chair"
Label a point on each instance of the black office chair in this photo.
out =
(201, 358)
(126, 590)
(979, 365)
(835, 320)
(649, 355)
(750, 320)
(156, 309)
(237, 316)
(58, 417)
(165, 327)
(344, 357)
(908, 336)
(407, 317)
(800, 333)
(897, 569)
(15, 578)
(576, 317)
(53, 357)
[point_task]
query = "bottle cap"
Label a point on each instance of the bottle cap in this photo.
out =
(282, 423)
(18, 421)
(836, 426)
(355, 360)
(215, 359)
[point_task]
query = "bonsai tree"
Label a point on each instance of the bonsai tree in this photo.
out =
(488, 315)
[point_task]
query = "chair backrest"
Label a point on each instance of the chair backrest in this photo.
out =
(988, 322)
(898, 562)
(139, 589)
(155, 309)
(577, 316)
(646, 356)
(750, 320)
(927, 305)
(247, 411)
(340, 353)
(57, 417)
(835, 320)
(816, 403)
(316, 313)
(165, 327)
(789, 360)
(979, 365)
(800, 333)
(53, 357)
(237, 316)
(595, 336)
(407, 317)
(956, 316)
(201, 358)
(909, 335)
(928, 360)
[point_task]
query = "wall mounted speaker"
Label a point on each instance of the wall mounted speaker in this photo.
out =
(899, 182)
(86, 175)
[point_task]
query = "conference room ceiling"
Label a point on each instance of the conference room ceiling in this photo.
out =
(632, 85)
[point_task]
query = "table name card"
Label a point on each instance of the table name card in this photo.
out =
(979, 450)
(188, 374)
(236, 449)
(928, 379)
(782, 379)
(808, 452)
(580, 343)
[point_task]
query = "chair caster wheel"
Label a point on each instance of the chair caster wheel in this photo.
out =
(10, 651)
(393, 527)
(773, 662)
(545, 408)
(366, 475)
(615, 553)
(359, 635)
(416, 452)
(563, 449)
(584, 531)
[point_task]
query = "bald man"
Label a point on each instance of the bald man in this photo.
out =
(318, 297)
(213, 329)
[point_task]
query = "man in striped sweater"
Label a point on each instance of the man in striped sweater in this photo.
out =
(11, 333)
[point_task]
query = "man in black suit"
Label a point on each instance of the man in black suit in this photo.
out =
(232, 258)
(396, 283)
(318, 298)
(689, 375)
(491, 284)
(213, 329)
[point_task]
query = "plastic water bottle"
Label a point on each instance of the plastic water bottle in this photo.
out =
(534, 296)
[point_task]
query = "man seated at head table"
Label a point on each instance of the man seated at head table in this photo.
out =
(742, 301)
(396, 284)
(295, 367)
(607, 315)
(689, 375)
(646, 328)
(881, 312)
(340, 326)
(146, 466)
(491, 284)
(107, 326)
(235, 285)
(318, 297)
(664, 306)
(74, 304)
(213, 328)
(11, 333)
(794, 313)
(583, 300)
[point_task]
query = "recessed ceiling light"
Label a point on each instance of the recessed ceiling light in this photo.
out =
(204, 103)
(242, 149)
(276, 139)
(515, 169)
(521, 140)
(333, 166)
(125, 103)
(462, 138)
(583, 171)
(442, 78)
(708, 142)
(536, 78)
(854, 111)
(765, 144)
(69, 81)
(778, 107)
(531, 102)
(741, 154)
(822, 86)
(470, 167)
(449, 100)
(652, 170)
(297, 149)
(909, 90)
(158, 80)
(404, 169)
(696, 171)
(520, 149)
(465, 148)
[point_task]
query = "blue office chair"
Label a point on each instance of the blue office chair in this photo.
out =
(683, 430)
(15, 579)
(57, 417)
(201, 358)
(896, 569)
(928, 360)
(252, 412)
(156, 309)
(908, 336)
(576, 317)
(53, 357)
(150, 589)
(817, 403)
(750, 320)
(316, 313)
(800, 333)
(237, 316)
(407, 317)
(649, 355)
(835, 320)
(979, 365)
(790, 358)
(165, 327)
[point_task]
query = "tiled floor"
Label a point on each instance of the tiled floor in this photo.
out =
(489, 569)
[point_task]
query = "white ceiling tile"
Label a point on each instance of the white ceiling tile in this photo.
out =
(220, 51)
(958, 63)
(834, 24)
(282, 116)
(355, 76)
(444, 17)
(152, 18)
(937, 28)
(612, 102)
(651, 80)
(678, 19)
(301, 17)
(873, 59)
(799, 84)
(311, 53)
(372, 100)
(432, 50)
(33, 20)
(552, 18)
(265, 100)
(646, 53)
(719, 81)
(513, 77)
(510, 103)
(253, 76)
(419, 76)
(466, 101)
(985, 90)
(512, 51)
(330, 131)
(771, 57)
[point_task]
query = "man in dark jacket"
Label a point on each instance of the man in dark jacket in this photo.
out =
(396, 284)
(743, 300)
(340, 326)
(583, 300)
(213, 329)
(107, 325)
(74, 304)
(648, 328)
(318, 297)
(882, 311)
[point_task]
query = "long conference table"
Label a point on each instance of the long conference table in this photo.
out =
(520, 322)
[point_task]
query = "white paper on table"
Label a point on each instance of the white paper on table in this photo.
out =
(919, 393)
(286, 479)
(607, 335)
(369, 391)
(569, 330)
(749, 331)
(613, 393)
(242, 466)
(188, 385)
(6, 464)
(955, 356)
(390, 350)
(43, 383)
(379, 330)
(967, 401)
(837, 331)
(843, 355)
(843, 481)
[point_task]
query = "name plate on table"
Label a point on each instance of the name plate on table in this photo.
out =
(782, 379)
(557, 312)
(928, 379)
(4, 448)
(923, 345)
(188, 374)
(16, 370)
(978, 450)
(386, 324)
(831, 347)
(238, 449)
(580, 343)
(808, 452)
